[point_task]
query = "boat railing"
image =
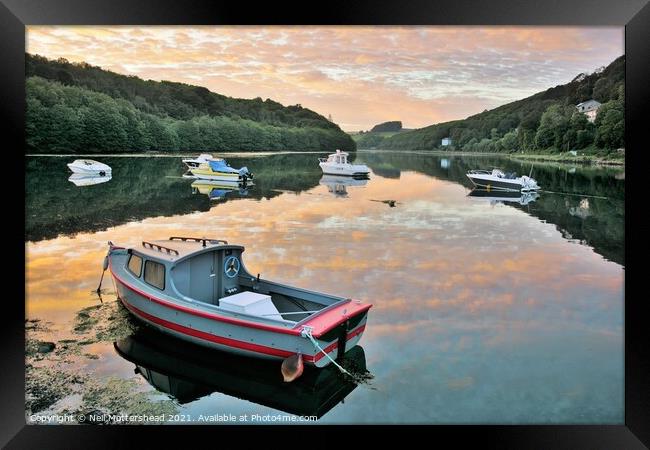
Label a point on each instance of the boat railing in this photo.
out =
(479, 171)
(160, 248)
(195, 239)
(323, 159)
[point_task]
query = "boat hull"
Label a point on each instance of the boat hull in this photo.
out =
(348, 170)
(489, 182)
(89, 170)
(216, 176)
(225, 333)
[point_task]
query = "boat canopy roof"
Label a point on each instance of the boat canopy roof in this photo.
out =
(176, 249)
(220, 165)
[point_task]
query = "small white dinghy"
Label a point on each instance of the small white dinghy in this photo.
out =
(337, 164)
(89, 167)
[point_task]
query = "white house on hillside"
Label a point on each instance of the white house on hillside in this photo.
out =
(589, 108)
(446, 142)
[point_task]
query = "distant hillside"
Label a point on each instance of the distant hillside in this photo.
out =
(79, 108)
(388, 126)
(374, 137)
(547, 121)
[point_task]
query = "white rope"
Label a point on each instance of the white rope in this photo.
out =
(306, 332)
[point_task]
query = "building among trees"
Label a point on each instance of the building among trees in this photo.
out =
(589, 109)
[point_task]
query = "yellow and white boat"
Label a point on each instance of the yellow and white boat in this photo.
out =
(219, 170)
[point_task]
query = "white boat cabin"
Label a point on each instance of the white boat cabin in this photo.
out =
(338, 158)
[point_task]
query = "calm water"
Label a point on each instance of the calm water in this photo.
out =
(486, 309)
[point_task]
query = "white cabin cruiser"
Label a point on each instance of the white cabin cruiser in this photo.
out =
(497, 179)
(192, 163)
(337, 164)
(89, 166)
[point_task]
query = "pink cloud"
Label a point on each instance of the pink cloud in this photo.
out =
(359, 75)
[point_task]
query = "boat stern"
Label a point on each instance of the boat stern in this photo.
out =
(334, 331)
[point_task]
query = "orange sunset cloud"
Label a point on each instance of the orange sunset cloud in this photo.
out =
(359, 75)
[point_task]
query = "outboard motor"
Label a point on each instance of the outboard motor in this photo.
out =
(528, 182)
(244, 173)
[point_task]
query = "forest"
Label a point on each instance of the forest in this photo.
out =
(79, 108)
(545, 122)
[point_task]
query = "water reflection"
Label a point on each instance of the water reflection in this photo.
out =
(189, 372)
(337, 185)
(149, 187)
(494, 197)
(471, 302)
(563, 188)
(217, 190)
(81, 179)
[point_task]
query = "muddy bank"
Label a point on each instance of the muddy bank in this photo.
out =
(54, 384)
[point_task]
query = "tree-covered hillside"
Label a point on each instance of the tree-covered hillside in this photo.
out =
(547, 121)
(80, 108)
(395, 126)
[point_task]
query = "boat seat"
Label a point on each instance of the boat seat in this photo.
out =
(253, 303)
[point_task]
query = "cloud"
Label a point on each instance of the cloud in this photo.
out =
(359, 75)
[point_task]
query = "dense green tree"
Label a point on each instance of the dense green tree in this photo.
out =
(610, 125)
(81, 108)
(509, 142)
(72, 119)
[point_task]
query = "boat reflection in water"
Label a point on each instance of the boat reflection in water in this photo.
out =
(188, 372)
(219, 189)
(83, 179)
(338, 184)
(523, 198)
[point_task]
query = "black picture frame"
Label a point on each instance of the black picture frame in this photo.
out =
(633, 14)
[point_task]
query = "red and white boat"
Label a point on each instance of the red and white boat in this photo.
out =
(199, 290)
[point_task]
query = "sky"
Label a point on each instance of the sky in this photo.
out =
(361, 76)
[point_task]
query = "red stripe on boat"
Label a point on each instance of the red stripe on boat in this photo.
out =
(331, 318)
(207, 315)
(320, 323)
(233, 342)
(211, 337)
(334, 345)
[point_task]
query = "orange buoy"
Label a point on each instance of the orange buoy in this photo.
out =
(292, 367)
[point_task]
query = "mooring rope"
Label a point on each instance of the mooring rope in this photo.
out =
(576, 195)
(306, 332)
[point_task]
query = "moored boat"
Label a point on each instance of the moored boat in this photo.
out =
(497, 179)
(337, 164)
(219, 170)
(89, 167)
(199, 290)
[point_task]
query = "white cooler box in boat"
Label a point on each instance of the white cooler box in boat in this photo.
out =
(250, 303)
